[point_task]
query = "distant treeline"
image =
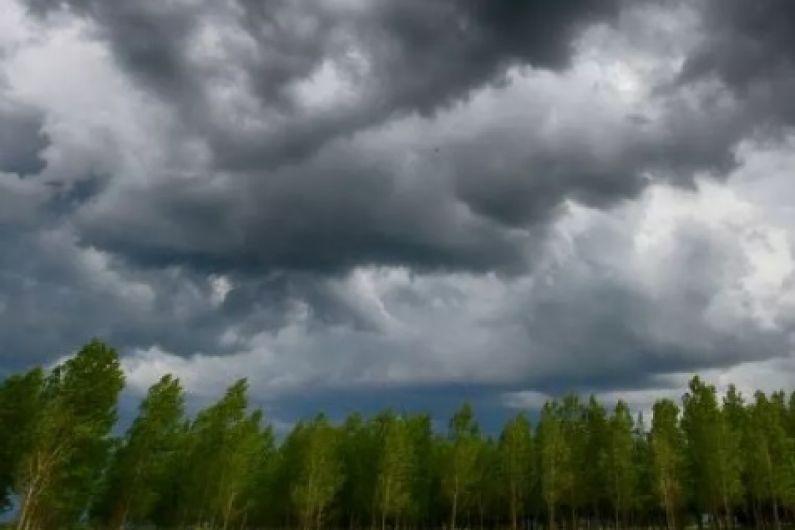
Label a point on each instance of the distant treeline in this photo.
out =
(724, 461)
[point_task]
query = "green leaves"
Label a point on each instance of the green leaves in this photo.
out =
(668, 460)
(223, 450)
(70, 437)
(515, 457)
(138, 472)
(725, 457)
(320, 472)
(461, 461)
(621, 469)
(20, 403)
(712, 451)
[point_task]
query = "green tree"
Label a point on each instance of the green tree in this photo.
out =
(131, 485)
(592, 471)
(359, 448)
(396, 468)
(425, 473)
(224, 448)
(70, 438)
(771, 454)
(790, 415)
(667, 448)
(463, 451)
(555, 459)
(20, 401)
(644, 504)
(516, 465)
(320, 472)
(620, 465)
(712, 450)
(489, 483)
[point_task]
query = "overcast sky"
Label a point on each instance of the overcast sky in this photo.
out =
(363, 203)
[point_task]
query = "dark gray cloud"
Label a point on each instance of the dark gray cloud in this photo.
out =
(330, 214)
(293, 185)
(441, 50)
(477, 198)
(54, 297)
(745, 44)
(751, 49)
(357, 194)
(22, 138)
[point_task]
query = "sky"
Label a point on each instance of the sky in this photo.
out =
(359, 204)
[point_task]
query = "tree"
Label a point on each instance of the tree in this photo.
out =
(515, 464)
(70, 438)
(620, 466)
(461, 472)
(770, 456)
(359, 447)
(225, 448)
(222, 470)
(555, 459)
(488, 482)
(20, 401)
(643, 503)
(425, 473)
(594, 457)
(320, 473)
(396, 469)
(667, 448)
(712, 450)
(138, 467)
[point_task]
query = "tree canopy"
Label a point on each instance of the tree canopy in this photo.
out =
(728, 460)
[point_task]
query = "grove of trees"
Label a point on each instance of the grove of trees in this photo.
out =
(726, 461)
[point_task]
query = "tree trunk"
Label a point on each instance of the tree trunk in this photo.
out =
(385, 506)
(514, 509)
(319, 520)
(455, 505)
(481, 509)
(776, 520)
(228, 512)
(120, 517)
(28, 506)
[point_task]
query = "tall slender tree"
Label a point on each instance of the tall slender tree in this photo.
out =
(712, 452)
(20, 402)
(71, 438)
(139, 465)
(224, 446)
(396, 469)
(320, 472)
(425, 472)
(728, 458)
(667, 449)
(555, 459)
(620, 467)
(359, 448)
(771, 454)
(573, 414)
(592, 472)
(461, 461)
(516, 465)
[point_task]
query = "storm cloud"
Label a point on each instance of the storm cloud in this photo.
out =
(497, 197)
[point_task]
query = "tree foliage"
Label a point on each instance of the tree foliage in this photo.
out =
(723, 459)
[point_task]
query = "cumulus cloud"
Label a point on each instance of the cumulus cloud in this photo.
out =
(680, 282)
(521, 197)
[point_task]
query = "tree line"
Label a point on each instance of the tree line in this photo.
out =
(723, 461)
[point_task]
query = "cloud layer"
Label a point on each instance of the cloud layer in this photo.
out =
(378, 197)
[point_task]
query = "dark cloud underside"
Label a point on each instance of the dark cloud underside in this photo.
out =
(347, 193)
